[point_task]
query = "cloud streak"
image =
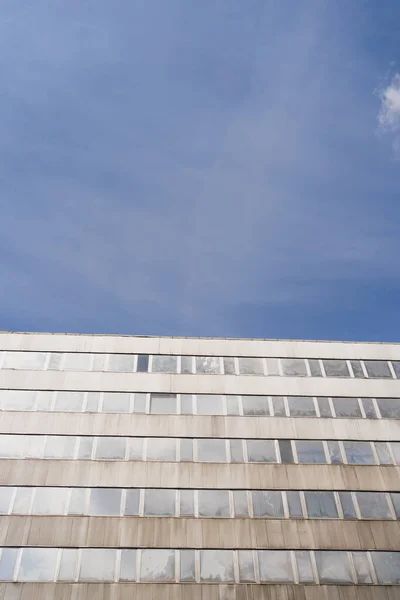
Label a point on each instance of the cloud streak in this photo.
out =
(389, 114)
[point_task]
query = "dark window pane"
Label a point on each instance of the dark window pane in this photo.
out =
(346, 500)
(214, 503)
(362, 566)
(294, 367)
(336, 368)
(304, 566)
(359, 453)
(387, 566)
(295, 509)
(186, 364)
(321, 505)
(396, 367)
(267, 504)
(157, 565)
(255, 405)
(378, 368)
(315, 368)
(240, 503)
(251, 366)
(334, 452)
(208, 364)
(229, 366)
(346, 407)
(357, 369)
(279, 406)
(128, 565)
(301, 406)
(186, 503)
(159, 502)
(275, 565)
(105, 502)
(142, 363)
(285, 449)
(246, 566)
(396, 451)
(261, 451)
(310, 452)
(396, 503)
(333, 567)
(383, 453)
(373, 505)
(187, 565)
(162, 404)
(216, 565)
(324, 408)
(389, 407)
(369, 408)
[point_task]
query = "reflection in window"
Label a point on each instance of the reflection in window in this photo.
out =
(310, 452)
(315, 368)
(261, 451)
(359, 453)
(346, 407)
(68, 564)
(164, 364)
(378, 368)
(333, 567)
(128, 565)
(294, 367)
(121, 363)
(346, 500)
(294, 503)
(229, 366)
(301, 406)
(159, 502)
(324, 408)
(357, 369)
(275, 566)
(7, 563)
(98, 564)
(251, 366)
(321, 505)
(267, 504)
(335, 456)
(373, 505)
(389, 407)
(387, 566)
(362, 567)
(383, 453)
(208, 364)
(110, 448)
(25, 360)
(285, 449)
(37, 564)
(105, 502)
(214, 503)
(255, 405)
(246, 566)
(336, 368)
(48, 501)
(216, 565)
(211, 450)
(187, 565)
(158, 565)
(304, 567)
(240, 503)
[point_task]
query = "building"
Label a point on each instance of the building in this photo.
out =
(215, 469)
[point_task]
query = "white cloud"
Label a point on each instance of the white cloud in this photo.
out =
(389, 114)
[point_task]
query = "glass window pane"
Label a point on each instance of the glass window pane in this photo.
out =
(105, 502)
(334, 453)
(98, 564)
(286, 452)
(12, 446)
(157, 565)
(240, 503)
(33, 445)
(68, 565)
(387, 566)
(396, 503)
(186, 364)
(251, 366)
(208, 364)
(261, 451)
(186, 449)
(363, 570)
(159, 502)
(209, 404)
(85, 448)
(336, 368)
(59, 446)
(237, 455)
(267, 504)
(216, 565)
(357, 369)
(324, 408)
(37, 564)
(378, 368)
(275, 565)
(369, 408)
(214, 503)
(55, 361)
(315, 368)
(304, 567)
(17, 400)
(92, 402)
(44, 400)
(255, 405)
(7, 563)
(321, 505)
(396, 451)
(232, 405)
(77, 361)
(294, 367)
(164, 364)
(396, 367)
(99, 361)
(135, 446)
(294, 502)
(383, 453)
(310, 452)
(389, 407)
(186, 503)
(359, 453)
(121, 363)
(77, 502)
(110, 448)
(333, 567)
(272, 366)
(116, 402)
(5, 499)
(132, 502)
(186, 404)
(346, 407)
(373, 505)
(346, 500)
(22, 501)
(229, 366)
(161, 449)
(211, 450)
(128, 565)
(162, 404)
(49, 501)
(187, 565)
(69, 401)
(279, 406)
(142, 363)
(301, 406)
(25, 360)
(246, 566)
(139, 403)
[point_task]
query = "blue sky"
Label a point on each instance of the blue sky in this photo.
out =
(213, 168)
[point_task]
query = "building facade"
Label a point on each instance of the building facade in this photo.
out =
(219, 469)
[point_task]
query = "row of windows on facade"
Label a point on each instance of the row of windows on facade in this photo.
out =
(200, 404)
(199, 449)
(143, 363)
(212, 566)
(149, 502)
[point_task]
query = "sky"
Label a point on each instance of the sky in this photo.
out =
(214, 168)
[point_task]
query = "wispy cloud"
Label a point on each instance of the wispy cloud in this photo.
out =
(389, 114)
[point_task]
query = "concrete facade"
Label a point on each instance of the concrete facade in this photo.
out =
(62, 449)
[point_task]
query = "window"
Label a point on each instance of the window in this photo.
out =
(267, 504)
(164, 364)
(272, 366)
(186, 404)
(261, 451)
(301, 406)
(362, 566)
(208, 364)
(304, 567)
(77, 361)
(232, 405)
(17, 400)
(121, 363)
(110, 448)
(236, 451)
(211, 450)
(77, 502)
(7, 563)
(294, 367)
(142, 363)
(321, 505)
(5, 499)
(294, 503)
(396, 367)
(161, 449)
(279, 406)
(187, 565)
(359, 453)
(396, 503)
(251, 366)
(378, 368)
(186, 450)
(285, 449)
(68, 562)
(336, 368)
(132, 502)
(229, 366)
(255, 405)
(324, 408)
(115, 402)
(214, 503)
(387, 566)
(49, 501)
(158, 565)
(373, 505)
(275, 566)
(159, 502)
(161, 404)
(348, 509)
(59, 446)
(216, 565)
(98, 564)
(22, 501)
(85, 448)
(37, 564)
(128, 565)
(240, 503)
(139, 405)
(310, 452)
(333, 567)
(209, 405)
(346, 407)
(357, 369)
(389, 407)
(135, 446)
(315, 368)
(383, 453)
(186, 364)
(246, 566)
(369, 408)
(69, 401)
(105, 502)
(334, 453)
(186, 503)
(25, 360)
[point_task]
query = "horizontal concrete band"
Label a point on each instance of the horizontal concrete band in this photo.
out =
(189, 591)
(197, 384)
(164, 532)
(198, 426)
(198, 475)
(197, 346)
